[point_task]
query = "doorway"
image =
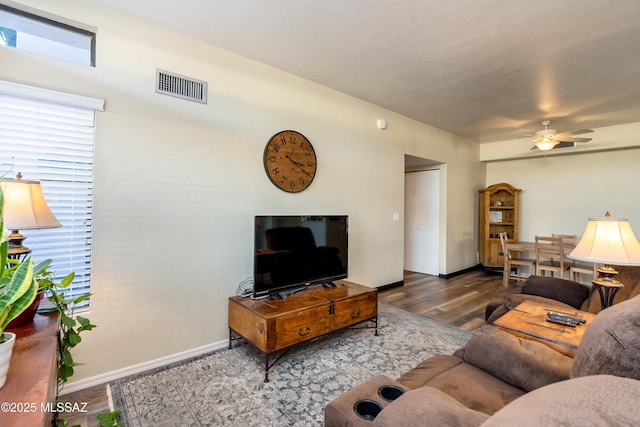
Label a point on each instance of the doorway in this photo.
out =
(422, 221)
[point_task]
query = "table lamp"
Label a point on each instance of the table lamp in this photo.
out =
(608, 241)
(25, 208)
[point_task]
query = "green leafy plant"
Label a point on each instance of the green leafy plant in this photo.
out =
(109, 419)
(70, 326)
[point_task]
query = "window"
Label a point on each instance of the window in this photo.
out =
(46, 36)
(52, 142)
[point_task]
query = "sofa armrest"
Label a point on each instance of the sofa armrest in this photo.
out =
(427, 406)
(492, 305)
(522, 363)
(513, 300)
(565, 291)
(340, 412)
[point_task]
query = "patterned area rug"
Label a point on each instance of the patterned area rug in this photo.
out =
(226, 387)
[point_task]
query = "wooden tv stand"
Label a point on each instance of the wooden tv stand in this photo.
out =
(269, 326)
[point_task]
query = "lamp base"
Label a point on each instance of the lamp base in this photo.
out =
(15, 248)
(607, 272)
(607, 285)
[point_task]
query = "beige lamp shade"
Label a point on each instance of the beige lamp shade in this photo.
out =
(25, 207)
(608, 241)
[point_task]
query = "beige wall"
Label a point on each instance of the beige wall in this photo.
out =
(177, 183)
(560, 193)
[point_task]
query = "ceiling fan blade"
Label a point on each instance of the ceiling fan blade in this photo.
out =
(575, 139)
(565, 135)
(565, 144)
(579, 132)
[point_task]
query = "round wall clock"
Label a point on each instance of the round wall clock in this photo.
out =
(290, 161)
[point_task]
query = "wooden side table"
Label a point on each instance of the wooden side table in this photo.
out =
(607, 290)
(528, 320)
(29, 395)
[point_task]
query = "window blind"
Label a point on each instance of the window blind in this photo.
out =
(53, 143)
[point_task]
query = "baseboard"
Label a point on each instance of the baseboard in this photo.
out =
(142, 367)
(442, 276)
(459, 272)
(390, 285)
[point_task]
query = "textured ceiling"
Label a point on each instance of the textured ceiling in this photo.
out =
(487, 70)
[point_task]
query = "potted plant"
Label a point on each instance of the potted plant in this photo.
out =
(18, 288)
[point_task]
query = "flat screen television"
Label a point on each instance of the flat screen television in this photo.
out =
(292, 252)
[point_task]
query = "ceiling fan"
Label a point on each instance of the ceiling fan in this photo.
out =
(549, 139)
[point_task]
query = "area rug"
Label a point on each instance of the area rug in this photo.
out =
(226, 388)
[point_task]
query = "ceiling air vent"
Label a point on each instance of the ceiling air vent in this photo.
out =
(172, 84)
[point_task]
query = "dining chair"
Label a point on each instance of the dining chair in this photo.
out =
(568, 242)
(576, 270)
(513, 263)
(550, 256)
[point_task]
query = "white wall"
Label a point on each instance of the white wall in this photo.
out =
(177, 183)
(560, 193)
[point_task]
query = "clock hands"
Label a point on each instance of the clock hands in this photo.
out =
(293, 161)
(298, 164)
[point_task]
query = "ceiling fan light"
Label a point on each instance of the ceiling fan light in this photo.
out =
(545, 144)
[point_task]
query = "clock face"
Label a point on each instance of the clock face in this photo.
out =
(290, 161)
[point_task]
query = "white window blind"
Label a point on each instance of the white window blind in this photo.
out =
(53, 143)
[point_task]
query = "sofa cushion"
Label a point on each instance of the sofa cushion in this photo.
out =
(469, 385)
(475, 388)
(427, 406)
(565, 291)
(427, 370)
(520, 362)
(611, 343)
(596, 401)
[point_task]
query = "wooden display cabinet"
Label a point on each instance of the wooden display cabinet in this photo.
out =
(499, 211)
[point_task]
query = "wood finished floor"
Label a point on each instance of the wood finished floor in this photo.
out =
(458, 301)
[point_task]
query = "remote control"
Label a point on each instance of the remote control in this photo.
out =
(564, 319)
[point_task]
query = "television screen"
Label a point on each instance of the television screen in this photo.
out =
(296, 251)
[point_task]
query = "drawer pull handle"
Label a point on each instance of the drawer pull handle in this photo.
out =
(304, 331)
(355, 314)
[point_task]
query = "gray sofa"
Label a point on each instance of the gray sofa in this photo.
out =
(498, 379)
